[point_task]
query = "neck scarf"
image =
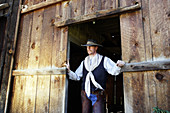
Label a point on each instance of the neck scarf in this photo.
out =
(90, 65)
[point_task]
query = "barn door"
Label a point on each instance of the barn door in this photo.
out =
(39, 78)
(144, 36)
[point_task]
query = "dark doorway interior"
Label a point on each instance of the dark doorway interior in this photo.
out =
(107, 32)
(3, 21)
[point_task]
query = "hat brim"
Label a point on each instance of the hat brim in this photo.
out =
(92, 45)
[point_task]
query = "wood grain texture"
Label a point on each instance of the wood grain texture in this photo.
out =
(133, 50)
(45, 60)
(97, 14)
(145, 90)
(23, 56)
(33, 5)
(159, 24)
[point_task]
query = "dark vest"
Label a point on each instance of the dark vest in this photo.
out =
(100, 75)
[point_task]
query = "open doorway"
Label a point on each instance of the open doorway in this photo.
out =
(107, 33)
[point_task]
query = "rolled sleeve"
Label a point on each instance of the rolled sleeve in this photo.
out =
(111, 67)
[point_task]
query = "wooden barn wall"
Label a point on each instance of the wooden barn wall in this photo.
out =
(39, 46)
(145, 37)
(42, 45)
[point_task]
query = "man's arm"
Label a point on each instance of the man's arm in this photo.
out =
(77, 74)
(112, 67)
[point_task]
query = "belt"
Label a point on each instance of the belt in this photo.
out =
(101, 92)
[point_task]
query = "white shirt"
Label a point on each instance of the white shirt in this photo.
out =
(109, 65)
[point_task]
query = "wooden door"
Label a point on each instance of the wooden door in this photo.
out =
(39, 78)
(144, 35)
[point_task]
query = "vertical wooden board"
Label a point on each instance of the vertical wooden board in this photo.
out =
(152, 90)
(133, 49)
(132, 38)
(159, 21)
(140, 92)
(75, 9)
(45, 60)
(159, 89)
(109, 4)
(146, 27)
(65, 10)
(22, 57)
(34, 46)
(45, 57)
(42, 98)
(89, 6)
(31, 82)
(17, 95)
(25, 42)
(136, 96)
(58, 82)
(57, 97)
(29, 94)
(128, 92)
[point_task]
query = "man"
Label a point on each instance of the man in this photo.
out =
(93, 72)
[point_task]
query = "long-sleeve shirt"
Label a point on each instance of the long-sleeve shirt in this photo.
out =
(109, 65)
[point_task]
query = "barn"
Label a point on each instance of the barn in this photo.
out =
(37, 37)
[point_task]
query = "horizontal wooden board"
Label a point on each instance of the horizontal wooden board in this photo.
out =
(145, 66)
(27, 8)
(56, 71)
(97, 14)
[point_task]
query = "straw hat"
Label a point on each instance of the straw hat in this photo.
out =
(92, 42)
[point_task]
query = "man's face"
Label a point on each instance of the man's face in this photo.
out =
(91, 50)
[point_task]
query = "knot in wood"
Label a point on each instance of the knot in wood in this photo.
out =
(159, 76)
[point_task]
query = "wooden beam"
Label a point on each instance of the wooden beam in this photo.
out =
(4, 5)
(26, 9)
(55, 71)
(146, 66)
(98, 14)
(16, 12)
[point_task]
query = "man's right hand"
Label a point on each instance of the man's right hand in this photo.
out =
(67, 65)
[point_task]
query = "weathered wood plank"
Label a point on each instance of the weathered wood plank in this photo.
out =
(39, 5)
(45, 60)
(97, 14)
(59, 82)
(4, 5)
(23, 62)
(145, 66)
(159, 24)
(146, 27)
(30, 72)
(159, 89)
(16, 20)
(58, 94)
(159, 33)
(133, 50)
(42, 98)
(17, 95)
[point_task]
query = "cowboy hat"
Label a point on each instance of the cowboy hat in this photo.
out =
(92, 42)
